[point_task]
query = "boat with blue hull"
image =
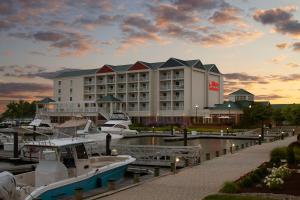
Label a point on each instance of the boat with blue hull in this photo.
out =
(64, 167)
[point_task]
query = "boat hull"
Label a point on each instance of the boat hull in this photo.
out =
(98, 180)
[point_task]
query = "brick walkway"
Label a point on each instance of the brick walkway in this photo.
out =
(197, 182)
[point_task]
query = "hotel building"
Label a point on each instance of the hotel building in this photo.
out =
(174, 91)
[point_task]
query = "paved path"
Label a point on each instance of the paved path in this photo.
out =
(197, 182)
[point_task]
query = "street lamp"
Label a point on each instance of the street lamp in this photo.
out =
(250, 106)
(196, 106)
(229, 106)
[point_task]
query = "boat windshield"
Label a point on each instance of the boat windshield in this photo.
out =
(118, 116)
(107, 125)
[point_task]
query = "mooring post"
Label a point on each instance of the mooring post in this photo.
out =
(108, 139)
(78, 193)
(184, 137)
(136, 177)
(34, 133)
(16, 145)
(172, 130)
(156, 171)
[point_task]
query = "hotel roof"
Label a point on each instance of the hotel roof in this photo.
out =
(171, 62)
(241, 92)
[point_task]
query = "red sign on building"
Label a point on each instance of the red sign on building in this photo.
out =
(214, 86)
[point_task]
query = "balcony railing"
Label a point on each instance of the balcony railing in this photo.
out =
(144, 79)
(89, 82)
(178, 98)
(132, 98)
(101, 91)
(177, 107)
(165, 87)
(165, 98)
(165, 77)
(132, 79)
(135, 108)
(121, 80)
(132, 89)
(111, 90)
(178, 87)
(144, 88)
(89, 91)
(144, 98)
(110, 80)
(142, 108)
(165, 107)
(178, 76)
(121, 90)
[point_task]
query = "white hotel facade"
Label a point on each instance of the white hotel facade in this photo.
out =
(174, 91)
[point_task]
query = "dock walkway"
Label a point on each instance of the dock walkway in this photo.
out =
(197, 182)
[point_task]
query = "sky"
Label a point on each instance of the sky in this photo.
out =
(255, 44)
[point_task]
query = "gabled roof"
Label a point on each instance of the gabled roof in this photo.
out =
(241, 92)
(121, 68)
(225, 106)
(109, 98)
(154, 65)
(77, 73)
(45, 101)
(105, 69)
(139, 65)
(172, 62)
(211, 68)
(199, 65)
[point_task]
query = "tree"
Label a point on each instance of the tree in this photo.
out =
(292, 114)
(278, 116)
(260, 113)
(19, 109)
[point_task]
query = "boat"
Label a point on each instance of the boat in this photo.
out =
(65, 166)
(118, 124)
(40, 125)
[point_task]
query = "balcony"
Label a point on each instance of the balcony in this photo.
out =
(144, 89)
(110, 81)
(121, 80)
(111, 90)
(89, 91)
(133, 107)
(144, 78)
(101, 91)
(163, 77)
(132, 79)
(101, 81)
(121, 89)
(132, 98)
(178, 87)
(132, 89)
(165, 107)
(89, 82)
(144, 108)
(178, 107)
(179, 75)
(165, 98)
(144, 98)
(122, 98)
(178, 98)
(165, 87)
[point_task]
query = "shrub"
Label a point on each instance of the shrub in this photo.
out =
(277, 154)
(246, 182)
(275, 179)
(230, 187)
(290, 155)
(255, 177)
(261, 172)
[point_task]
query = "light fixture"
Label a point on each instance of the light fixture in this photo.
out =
(177, 159)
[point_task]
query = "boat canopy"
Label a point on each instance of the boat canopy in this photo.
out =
(59, 142)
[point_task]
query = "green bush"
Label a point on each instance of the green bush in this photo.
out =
(230, 187)
(278, 154)
(290, 155)
(297, 154)
(246, 182)
(262, 171)
(255, 177)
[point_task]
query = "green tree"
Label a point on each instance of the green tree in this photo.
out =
(19, 109)
(292, 114)
(278, 116)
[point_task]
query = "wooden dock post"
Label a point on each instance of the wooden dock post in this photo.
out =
(156, 171)
(224, 151)
(173, 167)
(16, 145)
(184, 137)
(78, 193)
(207, 156)
(217, 153)
(107, 147)
(136, 177)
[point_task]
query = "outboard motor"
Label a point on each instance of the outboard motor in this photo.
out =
(7, 186)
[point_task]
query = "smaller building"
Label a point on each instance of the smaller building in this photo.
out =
(241, 95)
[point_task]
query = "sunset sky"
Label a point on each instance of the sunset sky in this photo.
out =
(255, 44)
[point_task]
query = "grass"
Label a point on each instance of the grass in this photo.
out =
(233, 197)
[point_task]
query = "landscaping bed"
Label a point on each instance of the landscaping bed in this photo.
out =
(291, 186)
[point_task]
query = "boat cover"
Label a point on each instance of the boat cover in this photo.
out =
(7, 186)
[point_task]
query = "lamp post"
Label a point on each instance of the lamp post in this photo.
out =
(229, 106)
(196, 107)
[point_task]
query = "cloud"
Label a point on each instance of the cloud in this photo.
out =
(292, 65)
(282, 45)
(281, 19)
(5, 25)
(192, 5)
(6, 7)
(226, 16)
(278, 59)
(68, 43)
(296, 46)
(269, 97)
(170, 13)
(230, 37)
(91, 24)
(285, 78)
(137, 29)
(241, 77)
(29, 71)
(15, 90)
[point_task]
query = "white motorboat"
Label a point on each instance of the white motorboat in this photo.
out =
(64, 167)
(118, 124)
(40, 125)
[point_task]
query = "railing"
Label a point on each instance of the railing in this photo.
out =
(144, 88)
(100, 82)
(165, 77)
(180, 76)
(178, 107)
(121, 90)
(130, 89)
(178, 87)
(110, 80)
(165, 87)
(165, 98)
(133, 109)
(144, 98)
(89, 91)
(165, 107)
(89, 82)
(144, 108)
(101, 90)
(111, 90)
(144, 79)
(178, 98)
(121, 80)
(132, 79)
(132, 98)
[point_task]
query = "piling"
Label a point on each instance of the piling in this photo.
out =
(207, 156)
(16, 145)
(230, 149)
(224, 151)
(136, 177)
(243, 146)
(107, 147)
(34, 133)
(111, 184)
(156, 171)
(184, 137)
(78, 193)
(217, 154)
(173, 167)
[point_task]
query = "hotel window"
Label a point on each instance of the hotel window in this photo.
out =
(71, 90)
(59, 82)
(177, 94)
(58, 99)
(177, 83)
(71, 82)
(90, 97)
(111, 87)
(78, 105)
(71, 98)
(121, 86)
(100, 105)
(90, 79)
(164, 104)
(143, 105)
(90, 88)
(164, 94)
(59, 91)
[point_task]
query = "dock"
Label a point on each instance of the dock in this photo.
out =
(212, 136)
